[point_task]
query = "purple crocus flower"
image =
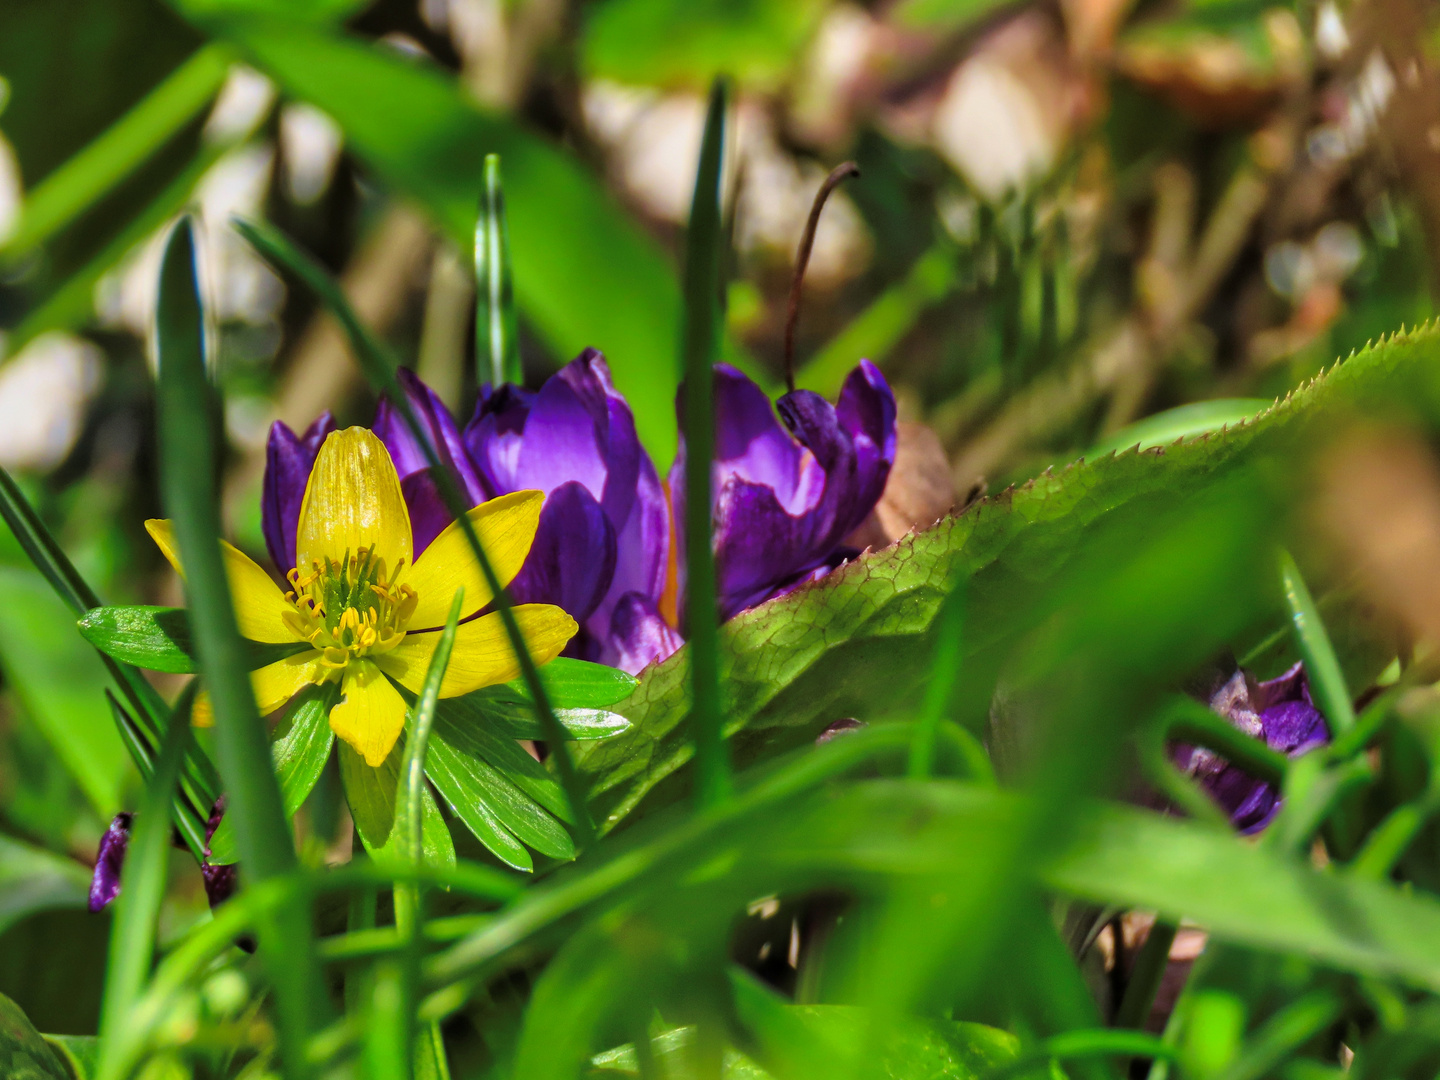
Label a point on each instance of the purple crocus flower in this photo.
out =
(105, 885)
(604, 533)
(785, 497)
(1278, 710)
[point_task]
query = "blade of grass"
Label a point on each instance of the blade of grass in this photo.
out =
(105, 161)
(1327, 683)
(142, 887)
(497, 338)
(700, 348)
(944, 670)
(379, 367)
(188, 467)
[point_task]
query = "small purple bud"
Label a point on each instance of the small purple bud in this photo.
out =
(110, 860)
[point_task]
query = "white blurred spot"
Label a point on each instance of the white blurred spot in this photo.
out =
(820, 107)
(654, 141)
(1338, 250)
(11, 192)
(43, 394)
(1331, 37)
(1289, 269)
(238, 285)
(992, 129)
(244, 101)
(310, 145)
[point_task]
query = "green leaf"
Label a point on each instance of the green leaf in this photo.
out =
(1327, 681)
(300, 746)
(158, 639)
(421, 134)
(24, 1055)
(1181, 422)
(78, 1053)
(578, 690)
(461, 730)
(856, 644)
(471, 784)
(33, 879)
(60, 685)
(576, 684)
(689, 42)
(497, 334)
(371, 795)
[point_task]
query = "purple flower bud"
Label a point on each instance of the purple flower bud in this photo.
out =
(1281, 712)
(288, 461)
(784, 499)
(109, 862)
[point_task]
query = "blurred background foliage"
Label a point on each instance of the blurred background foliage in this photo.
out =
(1072, 215)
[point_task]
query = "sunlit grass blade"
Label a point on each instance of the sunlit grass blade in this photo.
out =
(183, 812)
(497, 337)
(944, 671)
(1322, 666)
(700, 349)
(148, 711)
(429, 1046)
(187, 411)
(380, 368)
(142, 887)
(77, 184)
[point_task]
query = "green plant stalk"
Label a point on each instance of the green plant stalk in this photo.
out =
(944, 673)
(108, 159)
(497, 336)
(1389, 840)
(1145, 977)
(1297, 1023)
(187, 474)
(1322, 667)
(142, 888)
(700, 348)
(200, 782)
(380, 367)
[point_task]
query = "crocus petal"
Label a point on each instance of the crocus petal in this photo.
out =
(495, 434)
(353, 500)
(428, 513)
(371, 715)
(573, 557)
(482, 655)
(259, 605)
(866, 410)
(506, 527)
(288, 461)
(642, 548)
(440, 427)
(105, 885)
(638, 636)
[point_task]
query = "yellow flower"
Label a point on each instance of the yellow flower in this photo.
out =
(368, 610)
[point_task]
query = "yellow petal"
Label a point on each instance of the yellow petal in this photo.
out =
(353, 500)
(277, 683)
(371, 715)
(482, 655)
(506, 527)
(274, 685)
(259, 604)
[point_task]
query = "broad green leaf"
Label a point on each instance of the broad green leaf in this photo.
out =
(1181, 422)
(371, 795)
(33, 879)
(60, 684)
(24, 1055)
(78, 1053)
(576, 684)
(856, 643)
(689, 42)
(420, 133)
(579, 693)
(158, 639)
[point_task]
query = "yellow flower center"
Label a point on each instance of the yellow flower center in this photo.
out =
(349, 608)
